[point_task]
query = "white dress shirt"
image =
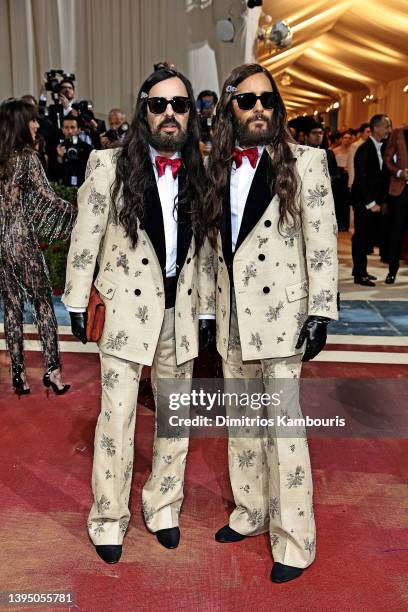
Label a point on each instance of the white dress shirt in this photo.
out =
(241, 181)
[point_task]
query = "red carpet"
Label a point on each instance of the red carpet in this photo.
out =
(361, 507)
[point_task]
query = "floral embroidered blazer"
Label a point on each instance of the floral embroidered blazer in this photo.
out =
(130, 281)
(279, 277)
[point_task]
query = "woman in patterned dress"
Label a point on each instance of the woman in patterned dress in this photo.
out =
(28, 208)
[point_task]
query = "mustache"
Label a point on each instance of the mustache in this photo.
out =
(169, 121)
(257, 117)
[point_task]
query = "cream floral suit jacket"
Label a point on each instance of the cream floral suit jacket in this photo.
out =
(130, 281)
(281, 278)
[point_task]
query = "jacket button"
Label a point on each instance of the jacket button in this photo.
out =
(188, 260)
(267, 223)
(137, 292)
(219, 289)
(266, 290)
(220, 259)
(189, 292)
(145, 261)
(261, 257)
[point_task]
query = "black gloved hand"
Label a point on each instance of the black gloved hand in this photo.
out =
(314, 331)
(206, 334)
(78, 325)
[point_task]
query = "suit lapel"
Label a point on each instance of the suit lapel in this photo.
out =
(184, 228)
(259, 197)
(153, 223)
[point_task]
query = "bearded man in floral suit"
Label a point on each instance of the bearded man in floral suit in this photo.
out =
(142, 219)
(276, 292)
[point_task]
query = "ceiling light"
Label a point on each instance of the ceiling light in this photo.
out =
(336, 104)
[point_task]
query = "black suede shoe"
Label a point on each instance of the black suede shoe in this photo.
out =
(226, 534)
(110, 553)
(284, 573)
(363, 280)
(169, 538)
(390, 280)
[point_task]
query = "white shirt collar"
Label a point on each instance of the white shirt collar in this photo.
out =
(377, 144)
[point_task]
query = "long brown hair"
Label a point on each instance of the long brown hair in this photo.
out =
(15, 135)
(133, 168)
(286, 179)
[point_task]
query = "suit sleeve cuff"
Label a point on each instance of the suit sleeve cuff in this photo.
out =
(75, 309)
(370, 205)
(206, 316)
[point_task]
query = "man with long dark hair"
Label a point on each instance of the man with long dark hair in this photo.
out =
(141, 215)
(277, 285)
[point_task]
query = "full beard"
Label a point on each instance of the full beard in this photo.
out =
(252, 138)
(168, 142)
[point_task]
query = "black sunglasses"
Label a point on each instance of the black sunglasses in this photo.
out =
(246, 101)
(179, 104)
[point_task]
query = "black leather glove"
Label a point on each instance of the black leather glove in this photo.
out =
(314, 331)
(78, 325)
(206, 334)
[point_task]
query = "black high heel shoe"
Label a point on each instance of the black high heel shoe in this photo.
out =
(47, 382)
(18, 382)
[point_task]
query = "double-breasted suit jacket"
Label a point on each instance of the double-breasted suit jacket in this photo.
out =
(279, 277)
(131, 281)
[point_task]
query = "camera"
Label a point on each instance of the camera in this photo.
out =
(85, 110)
(53, 79)
(71, 148)
(205, 129)
(113, 135)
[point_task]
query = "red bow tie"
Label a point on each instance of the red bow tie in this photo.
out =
(251, 154)
(162, 162)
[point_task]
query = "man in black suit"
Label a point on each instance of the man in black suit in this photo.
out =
(369, 194)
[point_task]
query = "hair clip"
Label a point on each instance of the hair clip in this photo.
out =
(230, 89)
(143, 95)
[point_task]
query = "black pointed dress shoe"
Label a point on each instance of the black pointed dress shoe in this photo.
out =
(390, 280)
(363, 280)
(169, 538)
(226, 534)
(110, 553)
(284, 573)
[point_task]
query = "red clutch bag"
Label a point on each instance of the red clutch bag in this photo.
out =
(96, 316)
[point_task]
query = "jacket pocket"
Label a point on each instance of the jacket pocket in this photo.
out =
(297, 291)
(105, 287)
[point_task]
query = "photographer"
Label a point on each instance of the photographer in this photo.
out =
(118, 127)
(92, 128)
(62, 93)
(206, 103)
(72, 154)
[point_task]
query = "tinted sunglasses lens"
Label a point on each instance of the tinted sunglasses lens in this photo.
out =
(246, 101)
(268, 99)
(157, 106)
(180, 105)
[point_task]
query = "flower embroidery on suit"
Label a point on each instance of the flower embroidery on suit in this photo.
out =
(246, 459)
(167, 459)
(123, 262)
(210, 301)
(99, 164)
(185, 343)
(193, 313)
(110, 379)
(108, 267)
(68, 288)
(131, 415)
(223, 311)
(292, 267)
(316, 224)
(99, 528)
(207, 265)
(295, 479)
(107, 444)
(316, 196)
(108, 414)
(123, 524)
(274, 540)
(116, 343)
(322, 300)
(255, 517)
(325, 166)
(309, 545)
(81, 260)
(249, 272)
(168, 484)
(233, 343)
(320, 259)
(261, 240)
(273, 313)
(142, 314)
(145, 346)
(148, 512)
(128, 471)
(300, 319)
(137, 273)
(273, 506)
(108, 474)
(256, 341)
(248, 311)
(97, 229)
(103, 504)
(289, 233)
(97, 201)
(246, 488)
(181, 279)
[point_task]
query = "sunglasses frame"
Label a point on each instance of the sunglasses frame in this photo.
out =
(172, 102)
(274, 95)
